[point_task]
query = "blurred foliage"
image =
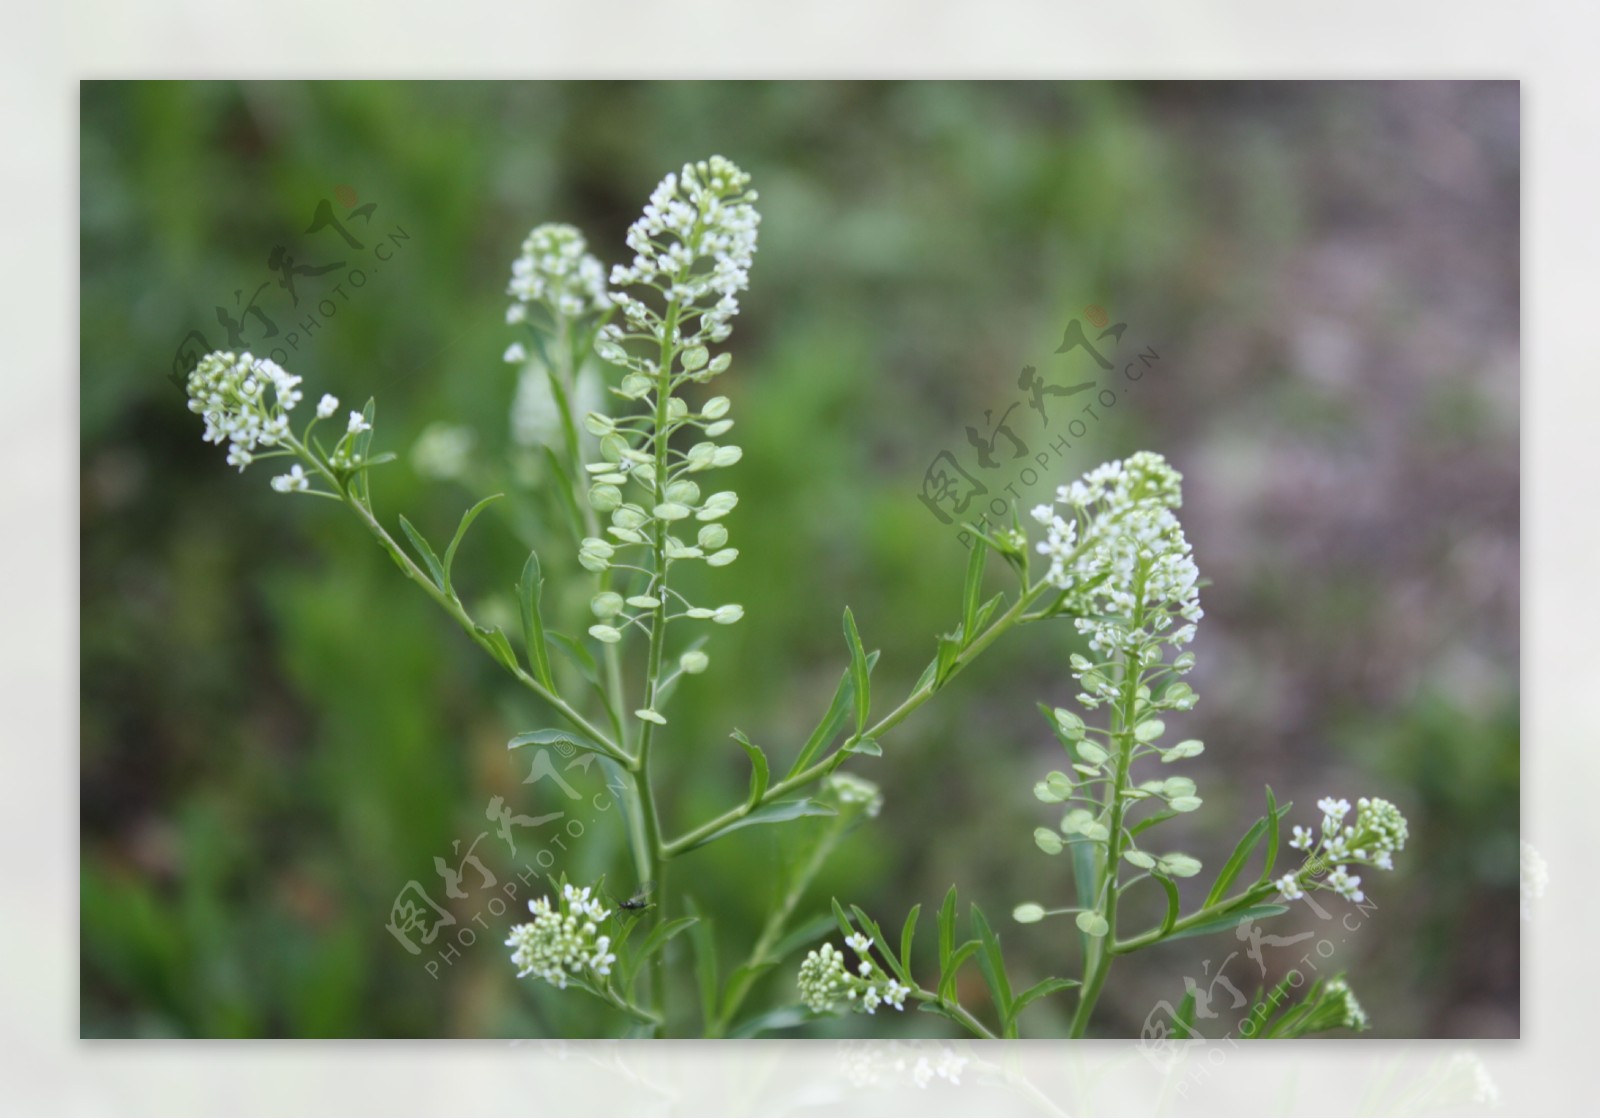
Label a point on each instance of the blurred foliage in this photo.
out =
(278, 734)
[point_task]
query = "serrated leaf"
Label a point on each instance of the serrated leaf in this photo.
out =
(858, 671)
(758, 768)
(529, 591)
(1229, 920)
(431, 561)
(461, 531)
(774, 812)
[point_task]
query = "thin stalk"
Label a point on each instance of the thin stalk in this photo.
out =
(1097, 963)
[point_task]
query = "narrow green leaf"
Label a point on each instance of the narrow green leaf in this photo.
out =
(774, 812)
(705, 960)
(1173, 903)
(846, 929)
(947, 927)
(799, 937)
(1151, 821)
(947, 980)
(930, 675)
(868, 746)
(992, 964)
(361, 484)
(908, 933)
(565, 491)
(660, 935)
(783, 1018)
(435, 569)
(758, 768)
(1230, 920)
(1039, 990)
(575, 651)
(1241, 854)
(950, 646)
(461, 531)
(529, 591)
(1274, 816)
(1183, 1021)
(870, 927)
(858, 671)
(557, 737)
(976, 558)
(500, 643)
(828, 729)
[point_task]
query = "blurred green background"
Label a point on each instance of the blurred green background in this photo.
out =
(278, 733)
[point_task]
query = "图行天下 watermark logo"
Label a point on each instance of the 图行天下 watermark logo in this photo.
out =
(438, 932)
(305, 286)
(998, 465)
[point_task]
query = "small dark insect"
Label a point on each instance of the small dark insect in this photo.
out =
(637, 901)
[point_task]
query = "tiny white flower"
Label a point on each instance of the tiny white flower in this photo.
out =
(358, 424)
(327, 406)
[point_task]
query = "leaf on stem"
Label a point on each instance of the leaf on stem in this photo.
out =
(775, 812)
(758, 768)
(1241, 854)
(529, 591)
(435, 568)
(461, 531)
(828, 729)
(859, 671)
(1229, 920)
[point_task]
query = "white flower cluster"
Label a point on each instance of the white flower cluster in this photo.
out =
(848, 789)
(693, 244)
(1379, 832)
(826, 981)
(1121, 555)
(880, 1064)
(562, 940)
(229, 391)
(556, 269)
(1351, 1016)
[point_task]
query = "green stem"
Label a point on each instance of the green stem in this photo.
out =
(958, 1012)
(452, 606)
(655, 870)
(759, 959)
(1198, 917)
(1097, 964)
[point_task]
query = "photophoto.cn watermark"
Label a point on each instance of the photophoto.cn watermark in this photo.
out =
(1164, 1041)
(1011, 452)
(437, 934)
(303, 288)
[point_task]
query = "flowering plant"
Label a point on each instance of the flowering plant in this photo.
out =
(633, 477)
